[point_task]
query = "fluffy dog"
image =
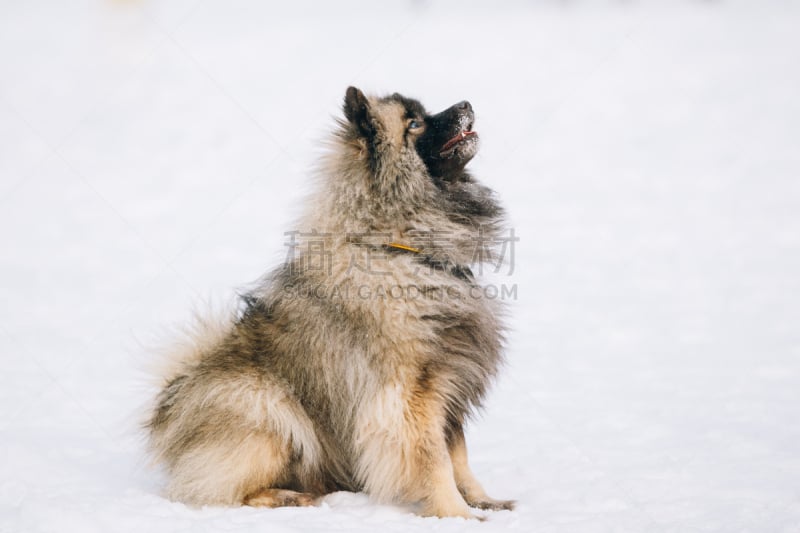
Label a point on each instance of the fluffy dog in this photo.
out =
(355, 365)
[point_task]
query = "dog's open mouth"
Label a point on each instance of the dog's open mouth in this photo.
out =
(461, 137)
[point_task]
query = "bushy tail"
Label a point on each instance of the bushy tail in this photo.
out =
(205, 331)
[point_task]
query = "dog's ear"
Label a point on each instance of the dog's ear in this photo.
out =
(356, 109)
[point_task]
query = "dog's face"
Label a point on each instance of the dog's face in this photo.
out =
(449, 142)
(399, 128)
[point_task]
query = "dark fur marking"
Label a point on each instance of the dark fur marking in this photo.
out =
(413, 108)
(462, 272)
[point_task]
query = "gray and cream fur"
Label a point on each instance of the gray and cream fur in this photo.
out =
(356, 364)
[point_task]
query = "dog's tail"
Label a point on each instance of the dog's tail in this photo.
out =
(206, 330)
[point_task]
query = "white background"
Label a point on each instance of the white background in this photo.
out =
(153, 153)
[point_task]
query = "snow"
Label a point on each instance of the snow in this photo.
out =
(153, 153)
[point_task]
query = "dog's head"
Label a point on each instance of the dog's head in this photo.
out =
(396, 130)
(397, 167)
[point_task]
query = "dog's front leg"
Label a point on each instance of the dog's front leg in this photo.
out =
(435, 474)
(467, 484)
(403, 454)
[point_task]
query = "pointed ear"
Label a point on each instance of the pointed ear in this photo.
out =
(356, 109)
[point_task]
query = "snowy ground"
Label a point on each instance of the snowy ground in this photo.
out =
(153, 153)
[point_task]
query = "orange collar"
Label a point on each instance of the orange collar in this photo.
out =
(399, 246)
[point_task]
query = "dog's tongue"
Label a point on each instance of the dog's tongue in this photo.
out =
(457, 139)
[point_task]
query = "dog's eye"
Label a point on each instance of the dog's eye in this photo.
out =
(414, 124)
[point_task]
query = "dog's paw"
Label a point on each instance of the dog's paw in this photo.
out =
(490, 504)
(450, 510)
(279, 498)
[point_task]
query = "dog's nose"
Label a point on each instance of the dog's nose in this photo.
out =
(464, 106)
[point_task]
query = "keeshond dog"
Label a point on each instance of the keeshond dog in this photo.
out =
(355, 365)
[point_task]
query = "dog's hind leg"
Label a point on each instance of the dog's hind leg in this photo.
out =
(229, 438)
(229, 467)
(467, 484)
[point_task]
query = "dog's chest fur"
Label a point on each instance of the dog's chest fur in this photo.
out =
(402, 336)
